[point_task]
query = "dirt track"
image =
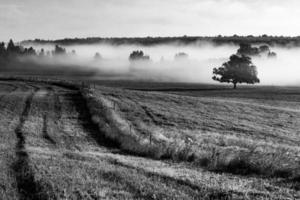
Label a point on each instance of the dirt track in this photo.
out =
(41, 116)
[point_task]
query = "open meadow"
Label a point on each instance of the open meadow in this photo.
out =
(151, 141)
(154, 100)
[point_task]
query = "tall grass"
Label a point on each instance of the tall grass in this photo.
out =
(249, 158)
(280, 162)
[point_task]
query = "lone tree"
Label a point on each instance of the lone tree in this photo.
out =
(239, 69)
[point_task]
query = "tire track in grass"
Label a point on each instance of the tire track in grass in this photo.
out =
(57, 105)
(88, 126)
(45, 130)
(27, 187)
(55, 120)
(53, 94)
(201, 191)
(11, 106)
(46, 116)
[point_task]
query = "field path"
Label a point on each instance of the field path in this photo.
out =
(13, 114)
(44, 117)
(27, 187)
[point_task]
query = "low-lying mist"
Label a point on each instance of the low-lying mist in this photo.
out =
(197, 68)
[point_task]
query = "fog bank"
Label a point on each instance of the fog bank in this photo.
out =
(197, 68)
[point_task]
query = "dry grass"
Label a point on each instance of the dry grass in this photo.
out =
(222, 134)
(68, 158)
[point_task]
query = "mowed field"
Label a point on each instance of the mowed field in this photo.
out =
(226, 144)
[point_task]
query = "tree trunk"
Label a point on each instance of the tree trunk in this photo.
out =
(234, 85)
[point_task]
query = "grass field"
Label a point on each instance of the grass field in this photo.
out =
(213, 142)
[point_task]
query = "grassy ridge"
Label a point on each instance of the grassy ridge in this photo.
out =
(228, 136)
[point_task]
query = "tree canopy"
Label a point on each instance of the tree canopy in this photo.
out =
(2, 49)
(11, 51)
(247, 50)
(239, 69)
(138, 56)
(58, 50)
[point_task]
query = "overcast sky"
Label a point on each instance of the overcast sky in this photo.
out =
(53, 19)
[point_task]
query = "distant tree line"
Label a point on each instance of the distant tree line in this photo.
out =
(11, 51)
(247, 50)
(148, 41)
(139, 55)
(11, 54)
